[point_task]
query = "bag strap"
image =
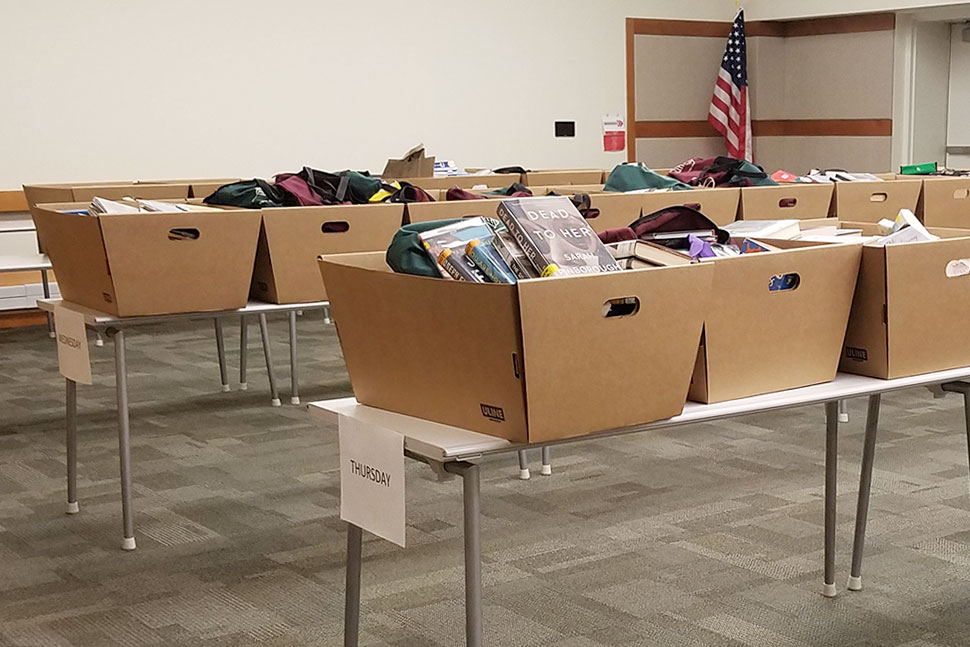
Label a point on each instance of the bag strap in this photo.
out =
(342, 187)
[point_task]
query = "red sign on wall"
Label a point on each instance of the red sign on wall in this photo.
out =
(614, 133)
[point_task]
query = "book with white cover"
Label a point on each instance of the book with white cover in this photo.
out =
(778, 229)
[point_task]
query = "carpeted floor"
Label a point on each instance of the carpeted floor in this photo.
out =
(705, 535)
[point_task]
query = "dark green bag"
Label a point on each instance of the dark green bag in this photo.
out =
(248, 194)
(635, 177)
(406, 253)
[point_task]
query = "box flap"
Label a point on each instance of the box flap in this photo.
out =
(297, 236)
(874, 201)
(762, 336)
(428, 211)
(181, 262)
(928, 306)
(866, 346)
(800, 201)
(393, 327)
(76, 249)
(583, 369)
(134, 190)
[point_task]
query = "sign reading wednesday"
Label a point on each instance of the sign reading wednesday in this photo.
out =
(73, 358)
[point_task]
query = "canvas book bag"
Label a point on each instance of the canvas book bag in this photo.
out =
(247, 194)
(721, 171)
(636, 177)
(674, 219)
(406, 253)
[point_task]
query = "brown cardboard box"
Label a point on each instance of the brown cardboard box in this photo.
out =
(496, 180)
(759, 341)
(427, 211)
(291, 239)
(414, 163)
(139, 264)
(535, 361)
(908, 316)
(87, 191)
(945, 202)
(874, 201)
(562, 177)
(621, 209)
(786, 201)
(567, 189)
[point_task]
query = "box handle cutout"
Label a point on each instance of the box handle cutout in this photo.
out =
(787, 203)
(784, 282)
(335, 226)
(183, 233)
(879, 197)
(958, 267)
(622, 307)
(694, 205)
(515, 364)
(961, 194)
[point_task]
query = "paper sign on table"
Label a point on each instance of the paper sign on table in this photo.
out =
(372, 479)
(73, 358)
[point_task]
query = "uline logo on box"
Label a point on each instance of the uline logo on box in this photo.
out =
(493, 413)
(69, 341)
(857, 354)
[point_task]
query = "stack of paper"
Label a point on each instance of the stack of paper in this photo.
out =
(777, 229)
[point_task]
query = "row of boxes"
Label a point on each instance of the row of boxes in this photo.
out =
(546, 359)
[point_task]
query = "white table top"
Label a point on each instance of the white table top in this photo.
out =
(96, 318)
(438, 442)
(25, 263)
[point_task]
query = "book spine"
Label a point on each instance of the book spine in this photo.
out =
(521, 237)
(456, 268)
(514, 257)
(489, 262)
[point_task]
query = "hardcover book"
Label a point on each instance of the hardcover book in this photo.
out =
(555, 237)
(454, 237)
(647, 253)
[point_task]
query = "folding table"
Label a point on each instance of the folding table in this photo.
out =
(114, 327)
(451, 450)
(31, 263)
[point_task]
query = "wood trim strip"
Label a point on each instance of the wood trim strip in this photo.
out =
(17, 318)
(770, 128)
(665, 129)
(765, 28)
(13, 201)
(631, 91)
(840, 25)
(823, 128)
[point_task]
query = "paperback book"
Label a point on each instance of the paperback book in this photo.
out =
(454, 238)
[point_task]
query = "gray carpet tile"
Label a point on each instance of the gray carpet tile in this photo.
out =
(703, 535)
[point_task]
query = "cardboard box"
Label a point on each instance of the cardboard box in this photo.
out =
(621, 209)
(151, 263)
(874, 201)
(496, 180)
(87, 191)
(563, 177)
(910, 310)
(427, 211)
(291, 239)
(567, 189)
(787, 201)
(530, 362)
(758, 339)
(945, 202)
(414, 163)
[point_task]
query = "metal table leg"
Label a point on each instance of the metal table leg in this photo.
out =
(264, 333)
(524, 465)
(865, 487)
(471, 495)
(326, 315)
(546, 460)
(352, 591)
(243, 352)
(98, 339)
(964, 388)
(221, 349)
(124, 437)
(831, 485)
(843, 411)
(47, 295)
(71, 442)
(294, 368)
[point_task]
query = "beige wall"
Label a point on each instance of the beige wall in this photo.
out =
(779, 9)
(958, 128)
(832, 76)
(930, 91)
(108, 89)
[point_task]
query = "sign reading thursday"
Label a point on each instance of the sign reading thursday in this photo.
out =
(372, 479)
(73, 358)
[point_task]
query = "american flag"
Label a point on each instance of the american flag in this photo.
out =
(729, 107)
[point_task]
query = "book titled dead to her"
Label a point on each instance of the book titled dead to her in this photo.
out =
(555, 236)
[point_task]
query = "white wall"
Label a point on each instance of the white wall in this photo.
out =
(930, 91)
(778, 9)
(958, 128)
(131, 89)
